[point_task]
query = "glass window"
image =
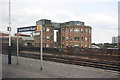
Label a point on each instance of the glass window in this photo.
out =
(70, 45)
(67, 30)
(51, 45)
(47, 45)
(43, 29)
(76, 45)
(76, 38)
(76, 30)
(81, 45)
(62, 45)
(67, 38)
(71, 38)
(62, 30)
(81, 38)
(48, 30)
(78, 23)
(89, 31)
(86, 30)
(66, 45)
(85, 38)
(89, 46)
(47, 37)
(51, 37)
(44, 37)
(86, 46)
(82, 30)
(43, 45)
(62, 38)
(71, 30)
(51, 30)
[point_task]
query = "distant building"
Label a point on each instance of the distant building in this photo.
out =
(75, 34)
(70, 34)
(26, 39)
(44, 22)
(116, 39)
(4, 37)
(48, 34)
(73, 23)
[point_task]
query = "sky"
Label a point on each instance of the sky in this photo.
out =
(101, 15)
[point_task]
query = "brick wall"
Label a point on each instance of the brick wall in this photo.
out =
(75, 34)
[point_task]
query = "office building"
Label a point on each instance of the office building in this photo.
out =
(75, 34)
(48, 34)
(115, 39)
(70, 34)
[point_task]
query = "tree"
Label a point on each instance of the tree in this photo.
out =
(106, 43)
(93, 44)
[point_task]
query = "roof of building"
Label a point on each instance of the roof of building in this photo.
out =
(83, 26)
(19, 34)
(4, 34)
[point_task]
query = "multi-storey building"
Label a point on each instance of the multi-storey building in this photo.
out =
(70, 34)
(116, 39)
(75, 34)
(48, 34)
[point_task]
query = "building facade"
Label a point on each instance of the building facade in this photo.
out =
(70, 34)
(48, 34)
(75, 35)
(116, 39)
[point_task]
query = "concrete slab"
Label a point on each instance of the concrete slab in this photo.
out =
(30, 68)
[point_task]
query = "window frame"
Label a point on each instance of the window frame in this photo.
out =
(76, 30)
(81, 38)
(47, 29)
(76, 38)
(47, 45)
(81, 45)
(67, 30)
(71, 30)
(86, 38)
(76, 46)
(86, 30)
(66, 38)
(86, 46)
(47, 37)
(82, 30)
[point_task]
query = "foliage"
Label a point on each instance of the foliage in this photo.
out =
(107, 45)
(93, 44)
(14, 43)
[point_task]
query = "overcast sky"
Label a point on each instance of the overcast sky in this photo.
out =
(101, 15)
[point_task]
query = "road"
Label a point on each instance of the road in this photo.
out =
(30, 68)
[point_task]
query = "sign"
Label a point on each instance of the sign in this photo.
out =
(8, 28)
(38, 28)
(31, 28)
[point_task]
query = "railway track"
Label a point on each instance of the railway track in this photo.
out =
(76, 61)
(89, 64)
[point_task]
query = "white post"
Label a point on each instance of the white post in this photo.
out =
(17, 48)
(9, 26)
(41, 50)
(9, 47)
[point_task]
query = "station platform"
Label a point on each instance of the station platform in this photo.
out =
(30, 68)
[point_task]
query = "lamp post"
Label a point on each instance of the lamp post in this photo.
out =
(9, 47)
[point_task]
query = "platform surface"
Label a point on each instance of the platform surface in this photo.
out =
(30, 68)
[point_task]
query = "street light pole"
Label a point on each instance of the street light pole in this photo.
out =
(9, 47)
